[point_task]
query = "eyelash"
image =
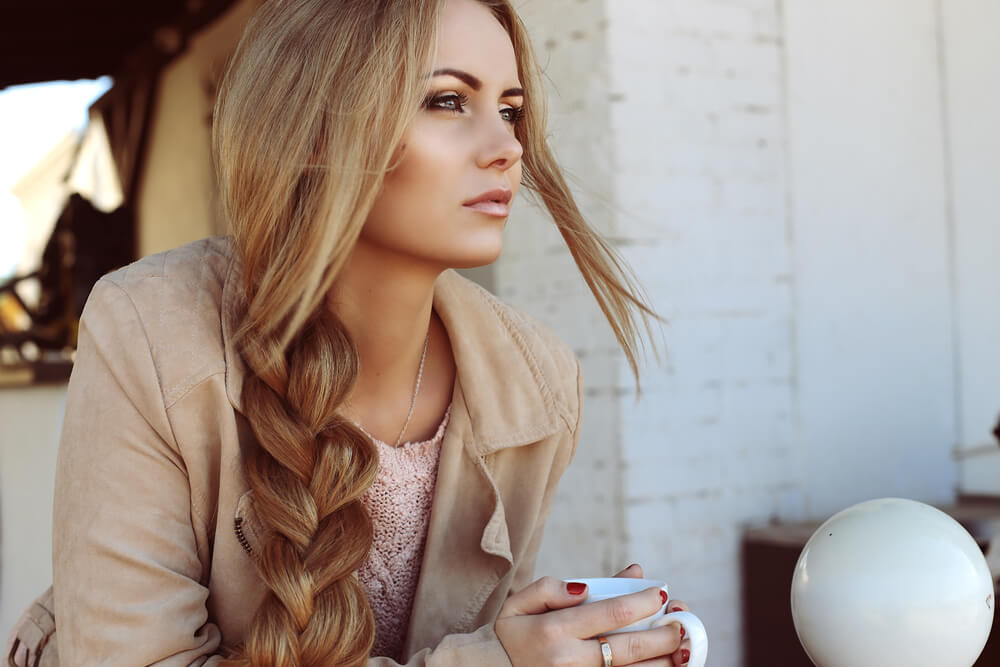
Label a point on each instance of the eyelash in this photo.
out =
(433, 101)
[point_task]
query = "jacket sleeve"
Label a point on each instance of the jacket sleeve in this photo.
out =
(480, 648)
(129, 586)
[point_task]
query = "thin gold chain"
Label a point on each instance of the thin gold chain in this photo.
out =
(416, 390)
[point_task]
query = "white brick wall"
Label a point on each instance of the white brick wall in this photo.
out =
(711, 445)
(671, 111)
(779, 176)
(536, 272)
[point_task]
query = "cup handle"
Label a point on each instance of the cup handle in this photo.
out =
(694, 630)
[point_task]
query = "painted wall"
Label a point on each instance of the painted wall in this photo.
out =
(873, 292)
(972, 84)
(30, 422)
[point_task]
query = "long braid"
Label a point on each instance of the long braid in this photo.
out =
(310, 114)
(307, 474)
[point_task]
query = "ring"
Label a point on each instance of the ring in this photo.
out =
(605, 651)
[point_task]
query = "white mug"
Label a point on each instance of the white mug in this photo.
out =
(603, 588)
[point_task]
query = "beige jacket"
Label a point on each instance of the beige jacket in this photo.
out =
(148, 565)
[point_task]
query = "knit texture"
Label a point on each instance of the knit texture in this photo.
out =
(399, 503)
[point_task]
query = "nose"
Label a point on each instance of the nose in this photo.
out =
(500, 148)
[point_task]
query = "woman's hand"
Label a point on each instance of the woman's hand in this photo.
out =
(543, 625)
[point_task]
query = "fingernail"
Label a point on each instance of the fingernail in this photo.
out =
(685, 655)
(663, 597)
(682, 632)
(575, 588)
(632, 565)
(676, 608)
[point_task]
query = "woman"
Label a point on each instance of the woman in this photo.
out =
(233, 485)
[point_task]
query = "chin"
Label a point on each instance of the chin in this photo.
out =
(475, 260)
(477, 250)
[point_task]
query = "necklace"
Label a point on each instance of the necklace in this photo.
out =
(416, 390)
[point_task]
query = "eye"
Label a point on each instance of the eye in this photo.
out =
(512, 114)
(455, 102)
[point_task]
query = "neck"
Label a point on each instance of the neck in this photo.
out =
(385, 303)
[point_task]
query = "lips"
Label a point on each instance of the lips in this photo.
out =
(493, 202)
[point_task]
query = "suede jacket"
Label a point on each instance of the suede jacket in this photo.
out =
(154, 531)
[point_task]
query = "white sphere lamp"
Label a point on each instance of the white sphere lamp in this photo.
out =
(892, 583)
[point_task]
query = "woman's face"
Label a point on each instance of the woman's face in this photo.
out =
(447, 201)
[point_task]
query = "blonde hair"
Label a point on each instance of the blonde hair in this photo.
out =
(309, 116)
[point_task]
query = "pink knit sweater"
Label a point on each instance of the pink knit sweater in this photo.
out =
(399, 503)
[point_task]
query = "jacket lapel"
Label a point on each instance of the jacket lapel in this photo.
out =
(463, 519)
(508, 400)
(500, 401)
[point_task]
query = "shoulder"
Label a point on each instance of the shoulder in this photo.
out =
(172, 304)
(555, 358)
(557, 362)
(189, 270)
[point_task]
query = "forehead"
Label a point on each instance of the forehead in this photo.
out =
(471, 39)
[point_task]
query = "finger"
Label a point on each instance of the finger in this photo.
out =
(682, 653)
(677, 658)
(663, 661)
(635, 647)
(542, 595)
(681, 657)
(633, 571)
(605, 616)
(21, 657)
(677, 605)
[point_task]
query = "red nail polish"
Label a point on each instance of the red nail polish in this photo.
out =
(685, 655)
(675, 608)
(663, 597)
(682, 632)
(575, 588)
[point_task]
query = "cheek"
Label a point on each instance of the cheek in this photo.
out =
(414, 194)
(421, 176)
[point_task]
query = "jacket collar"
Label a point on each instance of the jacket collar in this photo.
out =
(508, 400)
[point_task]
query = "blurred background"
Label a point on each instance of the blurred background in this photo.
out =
(809, 190)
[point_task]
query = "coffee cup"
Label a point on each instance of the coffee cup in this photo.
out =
(604, 588)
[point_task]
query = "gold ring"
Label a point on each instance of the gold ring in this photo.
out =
(605, 651)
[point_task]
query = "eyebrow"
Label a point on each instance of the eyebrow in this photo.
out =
(473, 82)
